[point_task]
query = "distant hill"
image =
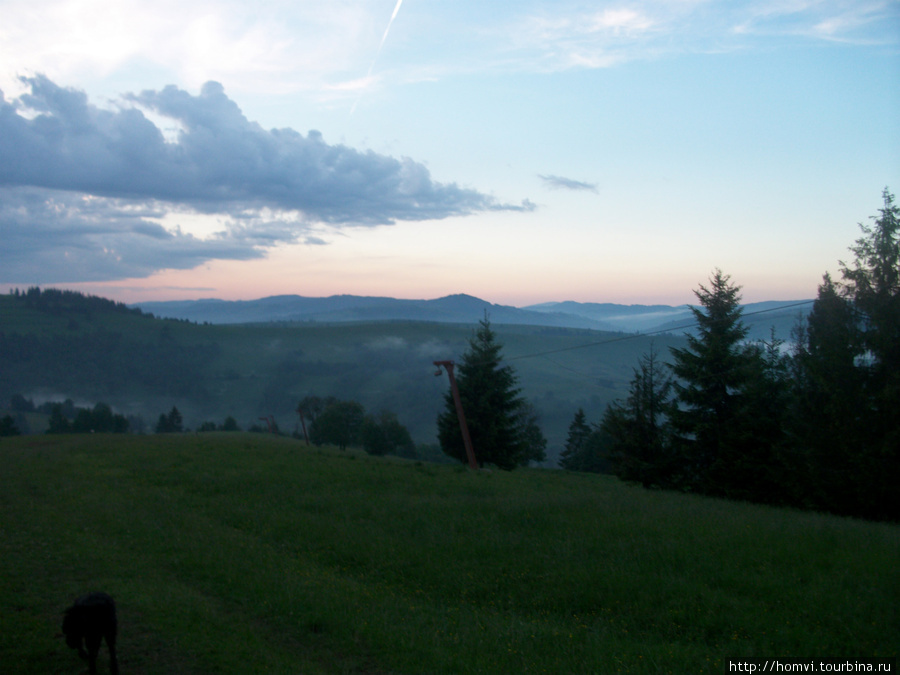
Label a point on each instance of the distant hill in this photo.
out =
(60, 345)
(56, 345)
(759, 317)
(628, 318)
(466, 309)
(341, 308)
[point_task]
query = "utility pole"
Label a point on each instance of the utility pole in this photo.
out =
(303, 423)
(470, 451)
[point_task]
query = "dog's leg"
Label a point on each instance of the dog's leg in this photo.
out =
(113, 660)
(92, 640)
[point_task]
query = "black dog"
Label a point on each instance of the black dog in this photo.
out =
(92, 618)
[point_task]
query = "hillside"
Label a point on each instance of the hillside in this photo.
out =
(352, 308)
(243, 554)
(761, 317)
(142, 366)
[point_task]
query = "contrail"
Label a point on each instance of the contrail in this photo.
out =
(383, 38)
(386, 31)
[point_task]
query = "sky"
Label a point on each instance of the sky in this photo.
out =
(521, 152)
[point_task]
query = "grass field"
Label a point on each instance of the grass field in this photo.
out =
(240, 553)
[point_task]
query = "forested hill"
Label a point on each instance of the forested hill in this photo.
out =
(59, 345)
(63, 343)
(58, 302)
(458, 308)
(761, 317)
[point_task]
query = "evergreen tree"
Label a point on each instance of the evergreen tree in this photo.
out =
(102, 418)
(712, 374)
(827, 425)
(175, 421)
(534, 443)
(8, 426)
(588, 447)
(872, 285)
(83, 422)
(58, 422)
(19, 403)
(597, 456)
(638, 432)
(503, 433)
(171, 423)
(846, 372)
(576, 442)
(762, 467)
(162, 424)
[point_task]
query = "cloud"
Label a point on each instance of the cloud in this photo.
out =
(567, 35)
(84, 188)
(558, 182)
(387, 343)
(220, 161)
(862, 22)
(321, 49)
(260, 46)
(55, 237)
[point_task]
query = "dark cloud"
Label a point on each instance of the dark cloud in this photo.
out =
(558, 182)
(55, 237)
(82, 188)
(220, 161)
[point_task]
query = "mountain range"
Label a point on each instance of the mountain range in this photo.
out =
(760, 317)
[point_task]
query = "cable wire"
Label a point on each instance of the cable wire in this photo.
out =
(633, 336)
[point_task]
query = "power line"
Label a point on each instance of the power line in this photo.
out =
(634, 336)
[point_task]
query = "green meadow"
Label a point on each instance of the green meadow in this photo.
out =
(246, 553)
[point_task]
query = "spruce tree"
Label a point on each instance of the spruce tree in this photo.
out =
(827, 425)
(846, 371)
(8, 426)
(763, 468)
(58, 423)
(872, 285)
(502, 430)
(576, 442)
(638, 429)
(534, 444)
(711, 374)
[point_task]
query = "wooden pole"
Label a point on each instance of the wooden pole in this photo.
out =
(303, 423)
(467, 441)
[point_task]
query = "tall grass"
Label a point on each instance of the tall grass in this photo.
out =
(232, 553)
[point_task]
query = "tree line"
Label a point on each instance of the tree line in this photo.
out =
(65, 417)
(56, 301)
(332, 421)
(813, 426)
